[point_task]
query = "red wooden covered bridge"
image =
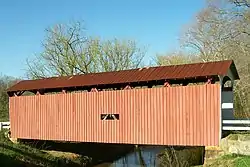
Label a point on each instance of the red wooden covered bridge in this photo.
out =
(165, 105)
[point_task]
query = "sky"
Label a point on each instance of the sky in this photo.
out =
(155, 24)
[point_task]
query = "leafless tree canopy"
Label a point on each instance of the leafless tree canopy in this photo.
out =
(69, 51)
(220, 31)
(5, 83)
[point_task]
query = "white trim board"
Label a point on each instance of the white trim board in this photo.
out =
(227, 105)
(235, 128)
(236, 121)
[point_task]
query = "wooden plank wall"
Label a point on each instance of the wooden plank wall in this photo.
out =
(185, 115)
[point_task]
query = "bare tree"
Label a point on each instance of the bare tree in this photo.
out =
(241, 3)
(67, 50)
(175, 58)
(5, 83)
(221, 31)
(120, 55)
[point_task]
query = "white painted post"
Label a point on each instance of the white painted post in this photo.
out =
(0, 126)
(220, 101)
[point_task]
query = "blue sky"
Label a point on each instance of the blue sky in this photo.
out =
(153, 23)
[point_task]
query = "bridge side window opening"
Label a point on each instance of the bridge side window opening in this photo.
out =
(109, 117)
(227, 84)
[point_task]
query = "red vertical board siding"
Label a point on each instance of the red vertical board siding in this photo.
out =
(187, 115)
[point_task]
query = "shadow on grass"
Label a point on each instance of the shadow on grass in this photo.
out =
(98, 152)
(6, 160)
(15, 156)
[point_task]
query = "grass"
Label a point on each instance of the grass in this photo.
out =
(243, 161)
(15, 155)
(230, 160)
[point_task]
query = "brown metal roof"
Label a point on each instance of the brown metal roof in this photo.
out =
(131, 76)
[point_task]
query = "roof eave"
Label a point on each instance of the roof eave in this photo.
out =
(234, 71)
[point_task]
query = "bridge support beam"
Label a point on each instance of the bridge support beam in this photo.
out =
(210, 81)
(93, 90)
(39, 92)
(64, 91)
(127, 87)
(167, 84)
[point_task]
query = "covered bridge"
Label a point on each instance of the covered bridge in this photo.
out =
(165, 105)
